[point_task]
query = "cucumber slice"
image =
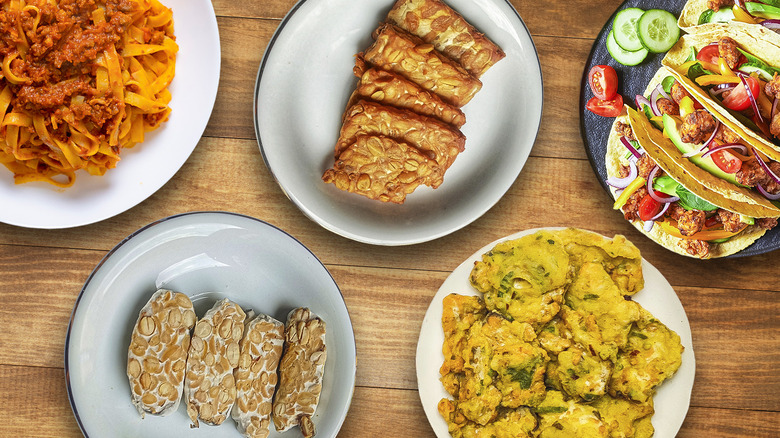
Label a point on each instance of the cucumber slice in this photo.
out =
(624, 56)
(762, 73)
(723, 15)
(624, 26)
(658, 31)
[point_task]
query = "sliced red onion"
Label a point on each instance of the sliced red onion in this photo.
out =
(753, 101)
(631, 148)
(654, 99)
(741, 147)
(766, 168)
(739, 4)
(648, 226)
(662, 212)
(772, 24)
(651, 191)
(775, 107)
(642, 100)
(622, 183)
(767, 194)
(661, 90)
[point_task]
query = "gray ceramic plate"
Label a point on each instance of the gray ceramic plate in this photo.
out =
(208, 256)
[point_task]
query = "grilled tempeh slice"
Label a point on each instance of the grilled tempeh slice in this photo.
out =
(381, 168)
(210, 387)
(436, 23)
(300, 370)
(439, 141)
(157, 355)
(407, 55)
(256, 375)
(391, 89)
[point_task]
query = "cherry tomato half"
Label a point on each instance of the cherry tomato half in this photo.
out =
(709, 54)
(649, 207)
(726, 161)
(738, 99)
(606, 108)
(603, 82)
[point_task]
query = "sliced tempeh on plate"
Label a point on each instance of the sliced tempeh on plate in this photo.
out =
(210, 387)
(157, 355)
(300, 372)
(256, 375)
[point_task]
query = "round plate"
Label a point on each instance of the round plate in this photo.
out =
(208, 256)
(633, 81)
(146, 167)
(672, 399)
(302, 88)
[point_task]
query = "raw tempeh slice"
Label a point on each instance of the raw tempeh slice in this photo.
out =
(436, 23)
(210, 387)
(439, 141)
(300, 371)
(256, 375)
(391, 89)
(379, 167)
(407, 55)
(157, 355)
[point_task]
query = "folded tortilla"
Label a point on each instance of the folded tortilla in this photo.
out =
(407, 55)
(448, 31)
(691, 13)
(753, 40)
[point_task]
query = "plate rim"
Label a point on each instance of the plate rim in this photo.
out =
(371, 239)
(210, 99)
(172, 218)
(431, 411)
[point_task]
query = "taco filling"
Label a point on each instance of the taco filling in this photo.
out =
(708, 142)
(765, 12)
(649, 195)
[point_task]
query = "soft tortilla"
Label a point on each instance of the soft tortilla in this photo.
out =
(615, 157)
(751, 39)
(689, 21)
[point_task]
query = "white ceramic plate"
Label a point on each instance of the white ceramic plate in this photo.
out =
(208, 256)
(672, 399)
(146, 167)
(302, 88)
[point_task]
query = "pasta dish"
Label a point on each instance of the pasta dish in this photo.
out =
(80, 81)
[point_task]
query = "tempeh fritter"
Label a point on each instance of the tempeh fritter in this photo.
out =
(407, 55)
(436, 23)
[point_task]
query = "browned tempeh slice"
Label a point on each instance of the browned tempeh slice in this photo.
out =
(401, 52)
(256, 375)
(448, 31)
(440, 141)
(157, 355)
(300, 371)
(381, 168)
(210, 388)
(391, 89)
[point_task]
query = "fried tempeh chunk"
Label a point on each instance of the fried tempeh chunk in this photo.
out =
(381, 168)
(391, 89)
(407, 55)
(300, 382)
(439, 141)
(448, 31)
(210, 387)
(157, 355)
(256, 375)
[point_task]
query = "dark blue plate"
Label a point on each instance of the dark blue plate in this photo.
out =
(633, 81)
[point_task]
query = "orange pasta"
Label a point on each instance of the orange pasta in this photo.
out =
(80, 81)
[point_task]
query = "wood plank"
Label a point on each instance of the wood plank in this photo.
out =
(36, 402)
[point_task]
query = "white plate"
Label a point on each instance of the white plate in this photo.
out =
(146, 167)
(208, 256)
(672, 399)
(302, 88)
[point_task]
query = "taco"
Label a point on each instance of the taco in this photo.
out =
(671, 200)
(700, 15)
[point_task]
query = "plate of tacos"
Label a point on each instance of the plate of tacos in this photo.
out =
(692, 162)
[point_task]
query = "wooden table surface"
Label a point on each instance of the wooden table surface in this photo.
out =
(732, 305)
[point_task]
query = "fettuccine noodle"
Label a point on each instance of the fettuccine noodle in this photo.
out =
(80, 81)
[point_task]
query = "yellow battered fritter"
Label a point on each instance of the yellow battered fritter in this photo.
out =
(552, 347)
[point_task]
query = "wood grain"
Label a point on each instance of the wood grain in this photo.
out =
(732, 305)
